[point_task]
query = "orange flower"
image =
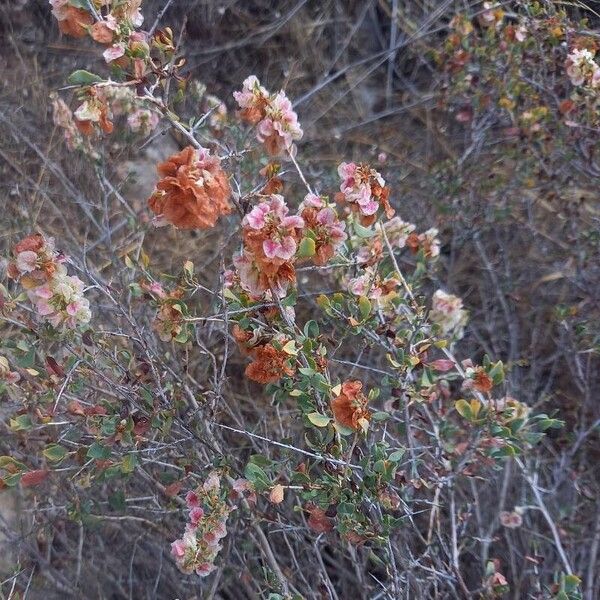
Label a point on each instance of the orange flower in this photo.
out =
(350, 407)
(193, 191)
(102, 33)
(74, 21)
(482, 381)
(269, 364)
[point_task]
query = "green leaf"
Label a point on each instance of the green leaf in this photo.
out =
(129, 463)
(364, 307)
(255, 475)
(397, 455)
(97, 450)
(318, 419)
(21, 423)
(380, 416)
(463, 409)
(306, 248)
(363, 232)
(290, 348)
(55, 453)
(311, 329)
(82, 77)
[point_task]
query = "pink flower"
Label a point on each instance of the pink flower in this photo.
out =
(143, 120)
(192, 500)
(26, 261)
(205, 569)
(364, 189)
(256, 218)
(178, 548)
(212, 482)
(251, 92)
(277, 123)
(73, 308)
(195, 515)
(114, 52)
(284, 249)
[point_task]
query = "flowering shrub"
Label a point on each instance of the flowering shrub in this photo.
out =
(56, 296)
(370, 452)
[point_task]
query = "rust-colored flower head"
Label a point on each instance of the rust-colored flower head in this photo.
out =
(102, 33)
(350, 406)
(72, 21)
(193, 191)
(269, 364)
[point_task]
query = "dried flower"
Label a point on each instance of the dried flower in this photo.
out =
(512, 520)
(193, 191)
(143, 120)
(258, 282)
(72, 21)
(447, 312)
(277, 123)
(326, 230)
(56, 296)
(268, 364)
(582, 69)
(364, 189)
(350, 406)
(199, 546)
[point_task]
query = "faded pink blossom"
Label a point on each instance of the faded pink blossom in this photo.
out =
(114, 52)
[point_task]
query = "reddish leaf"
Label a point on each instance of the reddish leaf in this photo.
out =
(75, 408)
(95, 410)
(173, 489)
(318, 521)
(566, 106)
(33, 478)
(441, 364)
(141, 426)
(53, 367)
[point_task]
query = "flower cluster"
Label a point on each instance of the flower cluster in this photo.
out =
(113, 28)
(269, 361)
(72, 21)
(63, 118)
(323, 227)
(99, 106)
(427, 241)
(372, 286)
(582, 69)
(206, 527)
(193, 191)
(397, 233)
(447, 311)
(56, 296)
(349, 407)
(364, 189)
(92, 113)
(142, 120)
(271, 238)
(276, 122)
